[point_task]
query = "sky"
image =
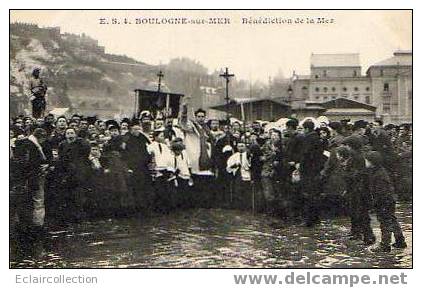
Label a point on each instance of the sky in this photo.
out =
(251, 51)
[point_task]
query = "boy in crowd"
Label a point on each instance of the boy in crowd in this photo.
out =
(161, 157)
(180, 179)
(353, 164)
(381, 189)
(239, 165)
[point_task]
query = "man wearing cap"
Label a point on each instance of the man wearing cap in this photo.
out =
(138, 159)
(361, 130)
(381, 189)
(357, 184)
(311, 164)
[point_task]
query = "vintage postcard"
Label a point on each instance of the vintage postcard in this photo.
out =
(211, 139)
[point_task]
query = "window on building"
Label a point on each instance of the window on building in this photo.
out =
(333, 89)
(325, 89)
(333, 97)
(316, 97)
(386, 87)
(381, 72)
(356, 89)
(367, 89)
(316, 89)
(316, 76)
(386, 108)
(304, 90)
(325, 97)
(345, 89)
(324, 73)
(356, 97)
(355, 73)
(367, 100)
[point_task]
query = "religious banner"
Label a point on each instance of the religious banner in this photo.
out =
(158, 103)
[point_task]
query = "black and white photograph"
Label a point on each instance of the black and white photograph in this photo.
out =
(210, 139)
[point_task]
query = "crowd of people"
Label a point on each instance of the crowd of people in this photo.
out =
(69, 169)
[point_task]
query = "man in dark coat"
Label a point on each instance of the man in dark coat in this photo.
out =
(311, 164)
(28, 169)
(75, 171)
(225, 147)
(356, 180)
(137, 160)
(293, 143)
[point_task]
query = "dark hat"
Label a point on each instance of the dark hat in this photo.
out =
(374, 157)
(224, 122)
(308, 124)
(125, 120)
(113, 127)
(177, 146)
(91, 119)
(360, 124)
(111, 123)
(134, 122)
(353, 141)
(292, 123)
(390, 127)
(335, 125)
(406, 126)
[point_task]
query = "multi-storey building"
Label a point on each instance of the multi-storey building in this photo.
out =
(387, 86)
(391, 87)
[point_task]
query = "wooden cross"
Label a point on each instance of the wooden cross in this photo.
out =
(160, 76)
(227, 76)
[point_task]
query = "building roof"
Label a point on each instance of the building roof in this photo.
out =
(335, 60)
(343, 103)
(400, 58)
(348, 111)
(246, 100)
(239, 101)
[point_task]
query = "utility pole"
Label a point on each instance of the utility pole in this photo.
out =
(227, 76)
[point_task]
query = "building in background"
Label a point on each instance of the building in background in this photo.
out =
(387, 86)
(391, 87)
(251, 109)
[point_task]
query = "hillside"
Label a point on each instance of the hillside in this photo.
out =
(77, 70)
(80, 75)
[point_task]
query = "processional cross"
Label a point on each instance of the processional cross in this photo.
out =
(227, 76)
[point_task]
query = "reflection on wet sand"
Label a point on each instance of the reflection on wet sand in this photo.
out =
(215, 238)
